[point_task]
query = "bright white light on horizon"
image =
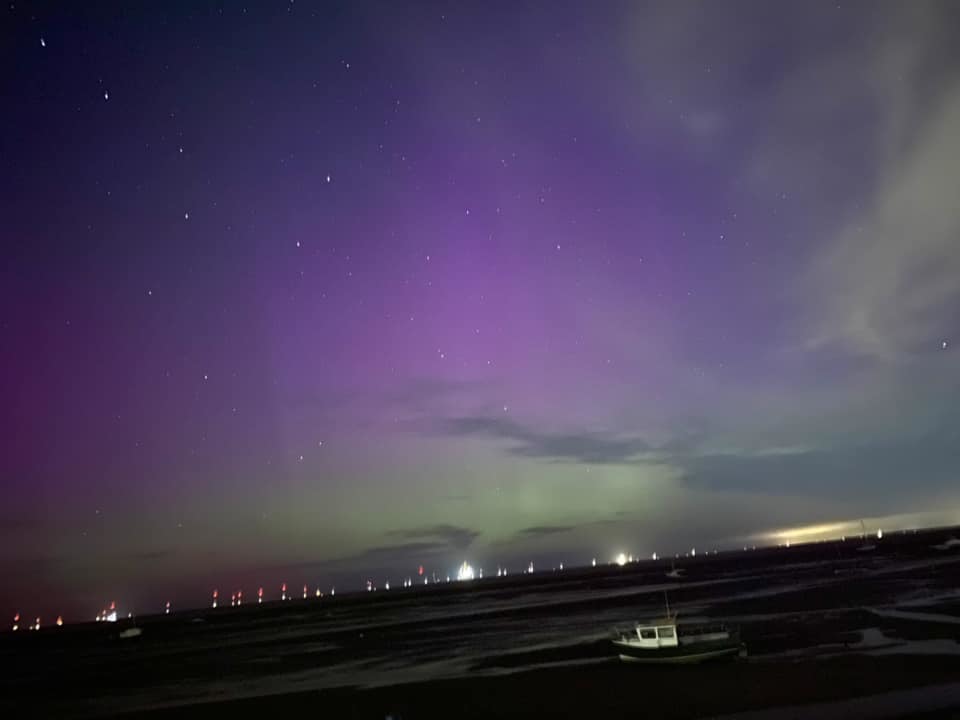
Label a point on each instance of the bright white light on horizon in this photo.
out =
(621, 559)
(465, 572)
(841, 530)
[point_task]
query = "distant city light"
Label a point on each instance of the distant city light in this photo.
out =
(880, 534)
(283, 591)
(215, 593)
(621, 559)
(530, 567)
(654, 556)
(166, 610)
(465, 572)
(16, 622)
(59, 620)
(304, 592)
(593, 563)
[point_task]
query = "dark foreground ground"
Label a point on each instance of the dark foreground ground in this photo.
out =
(614, 690)
(832, 632)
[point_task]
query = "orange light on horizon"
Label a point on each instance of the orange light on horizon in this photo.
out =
(59, 621)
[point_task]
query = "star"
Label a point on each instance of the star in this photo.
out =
(106, 94)
(944, 344)
(43, 43)
(328, 178)
(186, 216)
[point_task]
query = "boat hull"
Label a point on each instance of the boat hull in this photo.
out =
(676, 655)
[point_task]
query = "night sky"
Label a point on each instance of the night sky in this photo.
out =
(317, 292)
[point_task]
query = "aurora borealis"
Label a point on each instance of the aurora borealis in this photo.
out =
(313, 292)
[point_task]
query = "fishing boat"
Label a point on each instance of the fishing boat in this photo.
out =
(666, 641)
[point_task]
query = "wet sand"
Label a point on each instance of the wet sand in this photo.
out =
(823, 624)
(614, 690)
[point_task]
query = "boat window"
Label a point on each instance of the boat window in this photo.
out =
(648, 634)
(665, 632)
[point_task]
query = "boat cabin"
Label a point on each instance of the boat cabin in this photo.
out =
(657, 635)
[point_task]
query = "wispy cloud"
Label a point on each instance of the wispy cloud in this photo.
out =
(584, 447)
(888, 286)
(152, 555)
(452, 536)
(881, 280)
(545, 530)
(863, 471)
